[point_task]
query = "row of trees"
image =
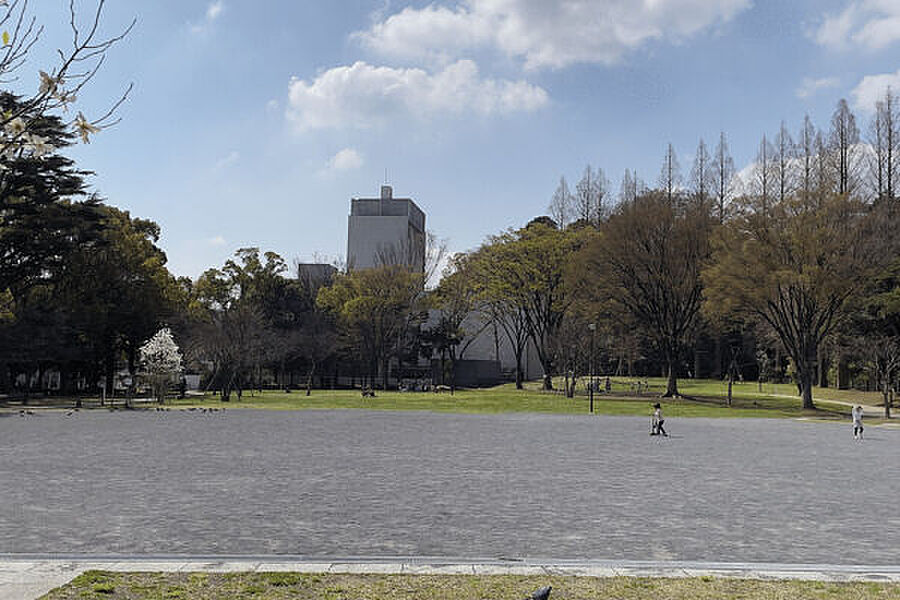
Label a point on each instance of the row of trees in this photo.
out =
(795, 259)
(843, 160)
(798, 261)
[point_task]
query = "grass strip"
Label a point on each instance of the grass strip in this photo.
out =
(505, 399)
(97, 585)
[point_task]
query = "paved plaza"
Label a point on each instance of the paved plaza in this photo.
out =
(386, 484)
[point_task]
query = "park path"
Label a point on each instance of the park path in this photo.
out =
(874, 412)
(869, 410)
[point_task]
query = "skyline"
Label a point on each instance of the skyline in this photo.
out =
(252, 127)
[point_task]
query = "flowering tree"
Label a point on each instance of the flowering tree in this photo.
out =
(58, 85)
(160, 362)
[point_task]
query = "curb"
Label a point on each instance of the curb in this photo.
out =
(30, 576)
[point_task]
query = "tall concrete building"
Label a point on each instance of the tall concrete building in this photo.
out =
(385, 230)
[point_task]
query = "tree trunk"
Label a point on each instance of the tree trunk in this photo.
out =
(805, 377)
(453, 361)
(730, 384)
(672, 382)
(519, 374)
(309, 377)
(885, 391)
(777, 372)
(890, 403)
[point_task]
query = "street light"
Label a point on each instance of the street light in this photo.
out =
(593, 328)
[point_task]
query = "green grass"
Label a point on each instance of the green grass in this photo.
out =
(307, 586)
(701, 402)
(702, 398)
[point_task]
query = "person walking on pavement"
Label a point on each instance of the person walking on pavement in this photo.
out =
(657, 422)
(857, 413)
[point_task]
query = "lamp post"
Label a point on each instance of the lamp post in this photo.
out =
(592, 327)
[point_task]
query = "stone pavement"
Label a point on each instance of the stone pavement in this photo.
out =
(28, 577)
(360, 483)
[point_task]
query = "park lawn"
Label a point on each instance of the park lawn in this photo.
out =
(96, 585)
(714, 388)
(506, 399)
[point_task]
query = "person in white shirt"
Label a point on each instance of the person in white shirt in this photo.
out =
(857, 413)
(657, 427)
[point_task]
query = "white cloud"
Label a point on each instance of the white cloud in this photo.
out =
(434, 33)
(345, 160)
(363, 96)
(543, 33)
(809, 86)
(214, 10)
(872, 89)
(216, 241)
(871, 24)
(226, 161)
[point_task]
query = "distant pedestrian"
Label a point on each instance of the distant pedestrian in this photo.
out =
(857, 413)
(656, 426)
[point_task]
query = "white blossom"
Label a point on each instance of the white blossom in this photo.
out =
(160, 361)
(38, 145)
(15, 127)
(85, 128)
(48, 83)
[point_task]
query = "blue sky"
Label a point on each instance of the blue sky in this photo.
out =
(254, 123)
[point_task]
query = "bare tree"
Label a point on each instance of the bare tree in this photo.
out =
(703, 181)
(435, 253)
(884, 137)
(824, 177)
(590, 196)
(561, 204)
(763, 173)
(723, 176)
(844, 150)
(784, 163)
(628, 188)
(806, 156)
(425, 254)
(670, 175)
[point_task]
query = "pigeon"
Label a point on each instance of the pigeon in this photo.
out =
(541, 594)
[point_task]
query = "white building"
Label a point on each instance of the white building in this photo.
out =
(384, 231)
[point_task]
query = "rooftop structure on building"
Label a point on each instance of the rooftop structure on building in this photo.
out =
(385, 231)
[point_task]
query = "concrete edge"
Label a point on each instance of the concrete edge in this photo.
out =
(30, 576)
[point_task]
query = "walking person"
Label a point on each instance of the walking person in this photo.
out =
(657, 422)
(857, 414)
